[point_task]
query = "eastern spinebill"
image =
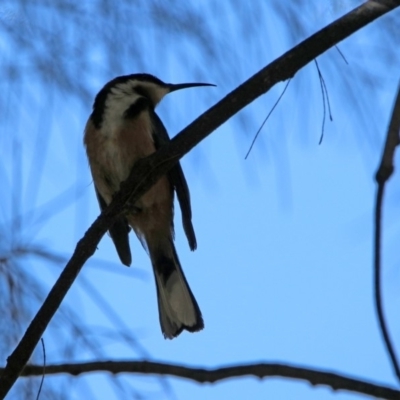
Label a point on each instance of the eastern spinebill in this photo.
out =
(122, 129)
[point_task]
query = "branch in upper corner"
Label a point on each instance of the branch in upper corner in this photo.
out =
(383, 174)
(201, 375)
(147, 171)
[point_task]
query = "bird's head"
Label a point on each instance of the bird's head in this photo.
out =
(128, 95)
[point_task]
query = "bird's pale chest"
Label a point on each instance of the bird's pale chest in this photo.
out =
(112, 152)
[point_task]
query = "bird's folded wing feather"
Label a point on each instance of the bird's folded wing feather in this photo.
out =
(178, 181)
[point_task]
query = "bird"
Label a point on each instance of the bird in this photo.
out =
(123, 128)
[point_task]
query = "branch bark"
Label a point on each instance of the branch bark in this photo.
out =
(147, 171)
(383, 174)
(202, 375)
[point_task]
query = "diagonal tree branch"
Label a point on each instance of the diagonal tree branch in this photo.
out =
(147, 171)
(202, 375)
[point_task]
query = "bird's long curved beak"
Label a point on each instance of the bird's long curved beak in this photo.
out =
(173, 87)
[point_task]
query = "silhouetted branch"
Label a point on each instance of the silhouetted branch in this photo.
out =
(383, 174)
(202, 375)
(147, 171)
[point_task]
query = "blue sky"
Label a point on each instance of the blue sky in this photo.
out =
(283, 270)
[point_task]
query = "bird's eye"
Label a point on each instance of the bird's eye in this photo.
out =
(142, 92)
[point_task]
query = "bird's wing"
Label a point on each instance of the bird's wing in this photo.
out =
(178, 182)
(119, 233)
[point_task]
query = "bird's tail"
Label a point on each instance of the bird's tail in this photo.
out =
(177, 307)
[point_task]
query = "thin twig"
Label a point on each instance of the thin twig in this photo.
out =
(43, 369)
(339, 51)
(325, 95)
(266, 118)
(383, 174)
